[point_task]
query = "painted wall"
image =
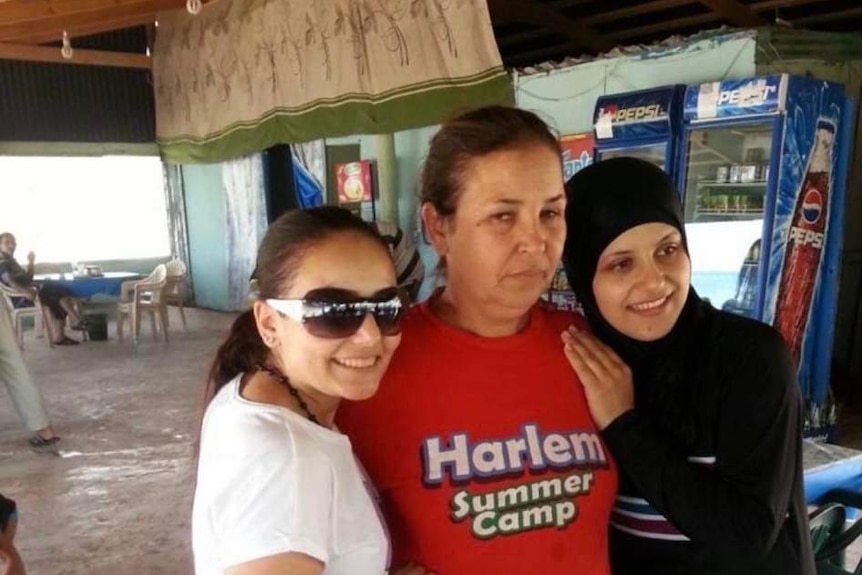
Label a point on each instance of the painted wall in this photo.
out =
(207, 230)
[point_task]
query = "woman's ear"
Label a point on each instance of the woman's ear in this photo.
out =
(265, 318)
(436, 228)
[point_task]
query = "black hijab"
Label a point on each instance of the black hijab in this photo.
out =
(605, 200)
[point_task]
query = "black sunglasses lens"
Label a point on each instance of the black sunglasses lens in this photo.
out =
(337, 320)
(333, 325)
(389, 319)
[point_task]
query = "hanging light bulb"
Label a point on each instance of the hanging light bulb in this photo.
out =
(66, 51)
(194, 6)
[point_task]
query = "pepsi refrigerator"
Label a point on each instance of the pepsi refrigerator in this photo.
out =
(644, 124)
(763, 168)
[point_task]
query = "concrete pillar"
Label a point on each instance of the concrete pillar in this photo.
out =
(387, 207)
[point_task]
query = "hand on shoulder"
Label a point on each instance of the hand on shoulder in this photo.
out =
(607, 380)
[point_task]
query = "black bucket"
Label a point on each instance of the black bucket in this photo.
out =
(97, 327)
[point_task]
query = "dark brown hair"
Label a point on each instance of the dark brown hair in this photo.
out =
(471, 135)
(279, 257)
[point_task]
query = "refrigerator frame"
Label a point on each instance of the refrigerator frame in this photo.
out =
(777, 121)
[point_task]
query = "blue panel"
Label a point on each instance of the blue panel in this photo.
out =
(645, 114)
(735, 98)
(828, 304)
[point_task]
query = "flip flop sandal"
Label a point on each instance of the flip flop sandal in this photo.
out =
(67, 341)
(41, 444)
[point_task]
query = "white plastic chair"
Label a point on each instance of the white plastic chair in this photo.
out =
(173, 293)
(146, 296)
(17, 315)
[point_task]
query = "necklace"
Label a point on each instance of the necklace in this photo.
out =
(293, 391)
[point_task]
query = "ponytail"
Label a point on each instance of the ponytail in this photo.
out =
(241, 352)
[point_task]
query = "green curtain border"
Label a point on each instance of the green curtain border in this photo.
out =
(419, 108)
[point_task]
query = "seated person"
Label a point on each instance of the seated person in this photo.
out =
(53, 296)
(10, 560)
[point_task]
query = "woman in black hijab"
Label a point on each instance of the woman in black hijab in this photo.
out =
(699, 407)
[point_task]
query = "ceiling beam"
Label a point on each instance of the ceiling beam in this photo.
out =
(561, 4)
(631, 11)
(828, 17)
(18, 12)
(507, 11)
(538, 55)
(666, 26)
(518, 37)
(736, 12)
(775, 4)
(83, 57)
(90, 30)
(28, 31)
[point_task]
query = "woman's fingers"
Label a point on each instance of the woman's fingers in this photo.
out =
(606, 379)
(578, 359)
(601, 358)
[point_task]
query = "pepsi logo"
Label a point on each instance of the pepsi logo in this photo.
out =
(812, 206)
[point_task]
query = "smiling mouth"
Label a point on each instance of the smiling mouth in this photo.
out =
(651, 305)
(357, 362)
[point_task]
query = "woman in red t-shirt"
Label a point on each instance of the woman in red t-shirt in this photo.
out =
(479, 439)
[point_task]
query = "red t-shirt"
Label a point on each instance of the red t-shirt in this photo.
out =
(485, 454)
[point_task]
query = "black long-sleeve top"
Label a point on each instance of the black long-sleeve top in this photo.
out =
(731, 501)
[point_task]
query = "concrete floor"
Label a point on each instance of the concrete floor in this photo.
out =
(117, 497)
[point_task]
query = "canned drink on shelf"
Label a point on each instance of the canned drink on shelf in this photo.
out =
(734, 174)
(747, 173)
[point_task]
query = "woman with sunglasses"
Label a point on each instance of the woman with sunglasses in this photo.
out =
(479, 440)
(278, 488)
(699, 407)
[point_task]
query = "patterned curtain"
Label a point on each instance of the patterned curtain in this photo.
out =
(175, 202)
(244, 75)
(243, 187)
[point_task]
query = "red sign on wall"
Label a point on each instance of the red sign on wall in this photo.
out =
(354, 182)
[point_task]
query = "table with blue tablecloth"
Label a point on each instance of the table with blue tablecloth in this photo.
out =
(829, 467)
(85, 287)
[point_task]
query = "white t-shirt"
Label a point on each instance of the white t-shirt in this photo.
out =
(270, 481)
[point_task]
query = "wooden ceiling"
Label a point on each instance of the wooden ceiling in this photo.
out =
(527, 31)
(533, 31)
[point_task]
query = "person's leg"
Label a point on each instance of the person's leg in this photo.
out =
(50, 295)
(14, 373)
(58, 326)
(69, 305)
(10, 560)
